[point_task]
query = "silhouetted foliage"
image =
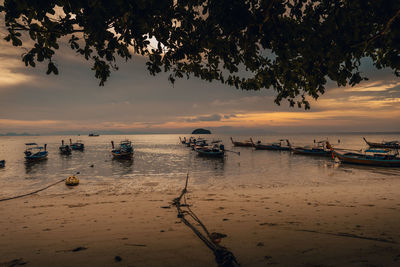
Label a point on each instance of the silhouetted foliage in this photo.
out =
(291, 46)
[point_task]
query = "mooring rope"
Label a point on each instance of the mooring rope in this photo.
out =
(34, 192)
(223, 256)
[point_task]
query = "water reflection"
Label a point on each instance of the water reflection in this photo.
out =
(35, 166)
(211, 166)
(161, 159)
(65, 156)
(122, 166)
(216, 164)
(78, 151)
(311, 157)
(371, 169)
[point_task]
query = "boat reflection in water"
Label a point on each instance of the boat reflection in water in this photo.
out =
(122, 166)
(35, 167)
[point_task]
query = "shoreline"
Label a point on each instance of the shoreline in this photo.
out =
(330, 225)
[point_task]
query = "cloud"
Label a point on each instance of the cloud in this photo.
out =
(132, 100)
(27, 123)
(377, 86)
(230, 116)
(214, 117)
(10, 75)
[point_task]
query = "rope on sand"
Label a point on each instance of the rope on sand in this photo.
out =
(34, 192)
(223, 256)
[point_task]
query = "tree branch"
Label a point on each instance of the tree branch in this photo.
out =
(266, 14)
(23, 28)
(380, 34)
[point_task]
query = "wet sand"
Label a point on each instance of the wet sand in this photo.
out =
(330, 225)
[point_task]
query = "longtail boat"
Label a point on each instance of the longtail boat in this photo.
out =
(320, 148)
(384, 144)
(183, 141)
(199, 143)
(33, 152)
(382, 158)
(189, 142)
(78, 145)
(123, 151)
(245, 143)
(2, 163)
(273, 146)
(64, 149)
(217, 151)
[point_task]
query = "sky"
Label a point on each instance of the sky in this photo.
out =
(133, 101)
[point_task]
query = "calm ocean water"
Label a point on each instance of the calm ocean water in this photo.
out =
(161, 163)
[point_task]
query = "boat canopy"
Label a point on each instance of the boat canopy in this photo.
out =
(31, 144)
(378, 150)
(35, 147)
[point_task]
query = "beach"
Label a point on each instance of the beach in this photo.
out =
(200, 133)
(321, 225)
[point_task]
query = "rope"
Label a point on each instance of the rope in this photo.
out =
(223, 256)
(34, 192)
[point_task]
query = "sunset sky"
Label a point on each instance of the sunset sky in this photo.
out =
(134, 101)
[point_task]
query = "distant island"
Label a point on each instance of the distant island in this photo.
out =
(201, 131)
(18, 134)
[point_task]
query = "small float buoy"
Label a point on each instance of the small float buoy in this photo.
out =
(72, 181)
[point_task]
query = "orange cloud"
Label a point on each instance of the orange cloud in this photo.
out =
(26, 123)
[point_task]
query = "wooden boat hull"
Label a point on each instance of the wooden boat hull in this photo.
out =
(37, 156)
(242, 144)
(80, 147)
(65, 150)
(360, 159)
(210, 154)
(271, 147)
(122, 155)
(381, 145)
(123, 151)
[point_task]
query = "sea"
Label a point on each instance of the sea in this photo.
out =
(161, 164)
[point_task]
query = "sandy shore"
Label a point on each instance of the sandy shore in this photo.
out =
(357, 225)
